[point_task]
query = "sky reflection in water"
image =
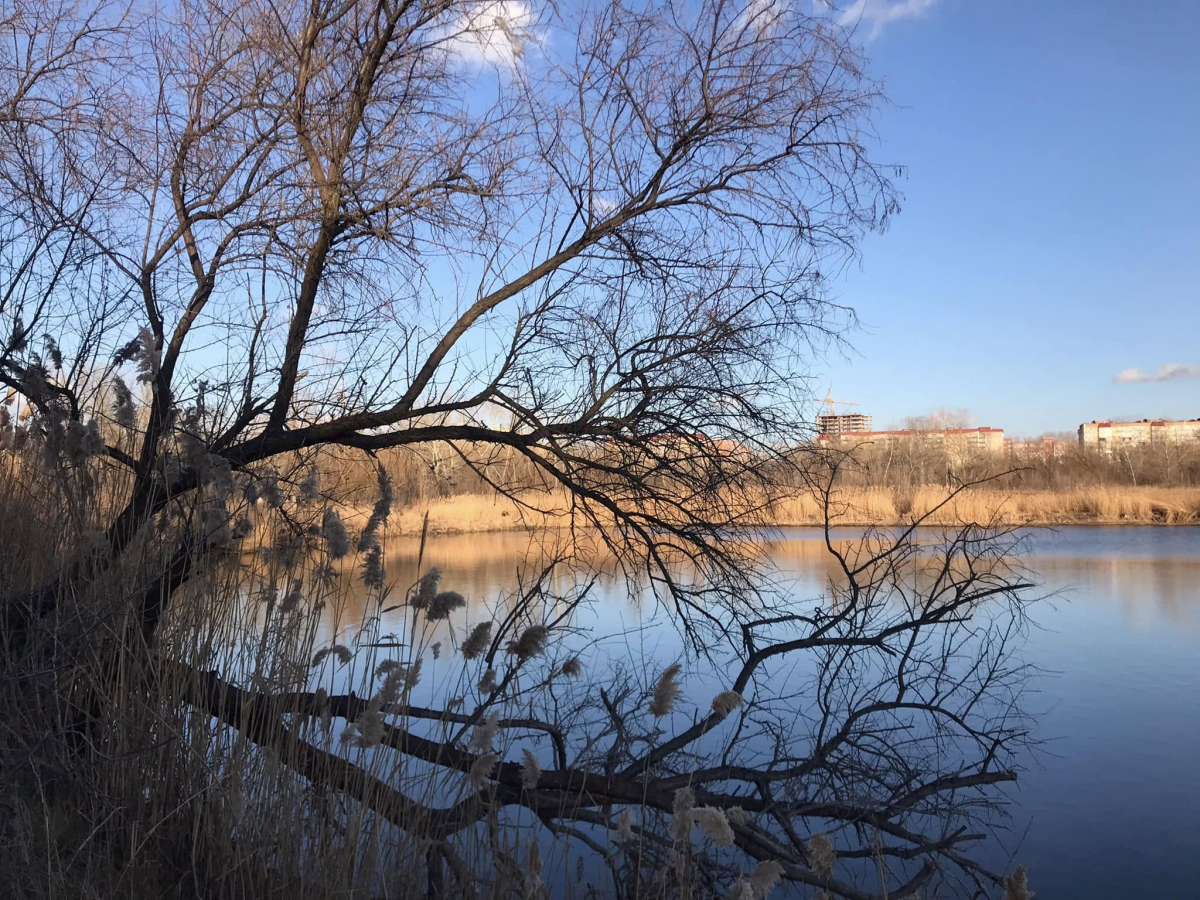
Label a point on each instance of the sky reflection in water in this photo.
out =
(1108, 807)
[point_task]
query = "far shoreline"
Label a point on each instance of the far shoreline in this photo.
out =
(861, 508)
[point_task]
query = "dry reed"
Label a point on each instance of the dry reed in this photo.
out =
(1099, 505)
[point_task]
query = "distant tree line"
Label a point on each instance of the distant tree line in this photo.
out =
(425, 474)
(915, 463)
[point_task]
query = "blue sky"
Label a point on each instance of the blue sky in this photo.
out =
(1050, 235)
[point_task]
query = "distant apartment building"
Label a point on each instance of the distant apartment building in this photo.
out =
(847, 423)
(1106, 437)
(957, 443)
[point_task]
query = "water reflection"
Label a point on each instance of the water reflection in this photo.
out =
(490, 570)
(1147, 591)
(1119, 716)
(1151, 573)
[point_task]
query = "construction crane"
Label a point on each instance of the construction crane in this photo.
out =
(829, 403)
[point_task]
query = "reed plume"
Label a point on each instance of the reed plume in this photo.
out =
(476, 642)
(665, 692)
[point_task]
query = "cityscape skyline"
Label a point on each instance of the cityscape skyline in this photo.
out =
(859, 424)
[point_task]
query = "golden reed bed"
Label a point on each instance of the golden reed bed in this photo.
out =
(856, 506)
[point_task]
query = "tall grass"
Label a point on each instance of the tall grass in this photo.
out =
(1101, 505)
(118, 782)
(1098, 505)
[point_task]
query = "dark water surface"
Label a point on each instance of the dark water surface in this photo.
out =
(1110, 805)
(1113, 802)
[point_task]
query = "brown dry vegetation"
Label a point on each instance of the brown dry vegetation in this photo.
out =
(1100, 505)
(457, 488)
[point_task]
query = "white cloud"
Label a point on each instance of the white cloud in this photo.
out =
(1168, 372)
(878, 13)
(497, 32)
(765, 16)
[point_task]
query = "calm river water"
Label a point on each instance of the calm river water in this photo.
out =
(1110, 806)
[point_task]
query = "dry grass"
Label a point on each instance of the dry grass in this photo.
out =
(1104, 505)
(1101, 505)
(468, 513)
(159, 799)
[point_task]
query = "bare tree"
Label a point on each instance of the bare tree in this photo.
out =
(940, 419)
(368, 225)
(328, 223)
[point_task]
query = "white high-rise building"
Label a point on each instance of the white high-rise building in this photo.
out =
(1108, 436)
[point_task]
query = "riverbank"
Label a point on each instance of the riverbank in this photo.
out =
(473, 513)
